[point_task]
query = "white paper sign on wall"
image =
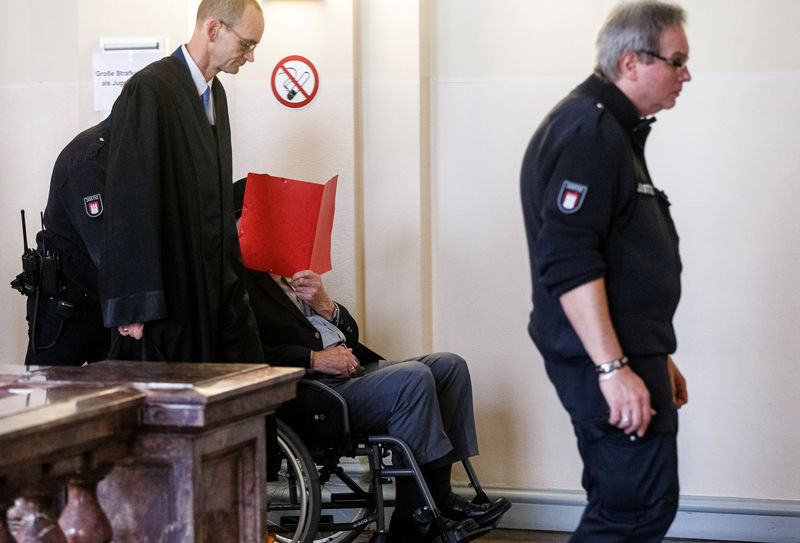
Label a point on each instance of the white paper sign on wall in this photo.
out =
(118, 59)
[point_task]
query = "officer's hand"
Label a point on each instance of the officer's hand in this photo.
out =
(308, 287)
(628, 401)
(680, 394)
(337, 360)
(136, 331)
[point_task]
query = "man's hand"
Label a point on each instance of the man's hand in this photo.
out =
(136, 331)
(336, 360)
(308, 287)
(628, 401)
(680, 394)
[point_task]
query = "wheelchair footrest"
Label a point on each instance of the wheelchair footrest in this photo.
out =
(461, 537)
(352, 496)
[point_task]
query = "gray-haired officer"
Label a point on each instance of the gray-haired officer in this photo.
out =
(606, 273)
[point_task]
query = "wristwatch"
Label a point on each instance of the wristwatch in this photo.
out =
(335, 315)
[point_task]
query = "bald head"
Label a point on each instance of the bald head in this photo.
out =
(226, 35)
(228, 11)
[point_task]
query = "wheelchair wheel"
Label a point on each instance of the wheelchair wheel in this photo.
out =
(343, 522)
(300, 509)
(293, 506)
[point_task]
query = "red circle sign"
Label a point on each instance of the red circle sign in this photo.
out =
(295, 81)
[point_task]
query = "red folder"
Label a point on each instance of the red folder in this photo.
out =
(286, 224)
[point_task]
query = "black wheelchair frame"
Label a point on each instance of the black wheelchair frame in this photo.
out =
(312, 498)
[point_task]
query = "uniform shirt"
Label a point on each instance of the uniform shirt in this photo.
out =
(74, 212)
(591, 211)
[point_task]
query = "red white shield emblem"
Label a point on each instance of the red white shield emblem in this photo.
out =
(93, 205)
(571, 196)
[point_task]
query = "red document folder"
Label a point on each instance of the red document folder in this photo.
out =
(286, 224)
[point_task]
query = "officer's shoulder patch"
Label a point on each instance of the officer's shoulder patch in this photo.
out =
(93, 205)
(571, 196)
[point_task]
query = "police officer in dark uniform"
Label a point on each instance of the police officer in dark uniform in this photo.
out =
(606, 273)
(65, 323)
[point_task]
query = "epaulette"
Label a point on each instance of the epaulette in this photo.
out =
(582, 110)
(95, 146)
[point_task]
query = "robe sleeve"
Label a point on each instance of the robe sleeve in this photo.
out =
(131, 281)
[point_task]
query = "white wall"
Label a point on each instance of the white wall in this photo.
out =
(313, 143)
(425, 110)
(395, 118)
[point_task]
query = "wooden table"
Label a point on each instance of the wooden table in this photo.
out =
(186, 442)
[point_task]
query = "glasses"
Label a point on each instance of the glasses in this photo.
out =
(677, 64)
(247, 45)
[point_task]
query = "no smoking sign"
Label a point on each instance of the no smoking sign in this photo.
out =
(295, 81)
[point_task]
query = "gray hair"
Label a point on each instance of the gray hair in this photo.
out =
(227, 11)
(633, 26)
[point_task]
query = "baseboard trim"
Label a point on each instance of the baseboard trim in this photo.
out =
(699, 517)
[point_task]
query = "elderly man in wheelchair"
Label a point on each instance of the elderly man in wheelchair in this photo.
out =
(419, 409)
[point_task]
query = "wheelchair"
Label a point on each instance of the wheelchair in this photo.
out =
(313, 495)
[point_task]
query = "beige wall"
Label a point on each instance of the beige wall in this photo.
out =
(425, 110)
(726, 156)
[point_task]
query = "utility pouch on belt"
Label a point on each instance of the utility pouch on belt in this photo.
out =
(50, 277)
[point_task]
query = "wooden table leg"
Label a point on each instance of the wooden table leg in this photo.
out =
(83, 520)
(31, 523)
(5, 534)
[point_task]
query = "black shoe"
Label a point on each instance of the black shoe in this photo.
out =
(443, 529)
(484, 514)
(434, 531)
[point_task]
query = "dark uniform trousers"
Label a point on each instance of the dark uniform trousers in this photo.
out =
(425, 401)
(631, 483)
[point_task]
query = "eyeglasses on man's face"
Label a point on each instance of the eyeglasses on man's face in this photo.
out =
(246, 45)
(675, 63)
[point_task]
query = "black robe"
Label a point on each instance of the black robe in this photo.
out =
(171, 252)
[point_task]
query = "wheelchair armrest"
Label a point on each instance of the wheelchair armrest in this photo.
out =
(316, 391)
(319, 415)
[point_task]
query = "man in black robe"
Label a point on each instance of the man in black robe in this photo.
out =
(172, 273)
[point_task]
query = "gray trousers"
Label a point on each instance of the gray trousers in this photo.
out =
(425, 401)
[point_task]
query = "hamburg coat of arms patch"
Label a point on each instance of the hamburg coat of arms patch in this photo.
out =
(93, 205)
(571, 196)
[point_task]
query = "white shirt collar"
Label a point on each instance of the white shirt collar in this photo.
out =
(197, 77)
